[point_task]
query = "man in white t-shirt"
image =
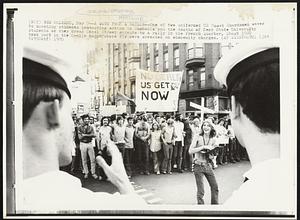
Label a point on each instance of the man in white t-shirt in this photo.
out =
(251, 75)
(47, 138)
(178, 146)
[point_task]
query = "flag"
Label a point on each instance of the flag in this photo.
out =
(120, 96)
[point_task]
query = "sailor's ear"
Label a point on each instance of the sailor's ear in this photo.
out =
(236, 108)
(52, 114)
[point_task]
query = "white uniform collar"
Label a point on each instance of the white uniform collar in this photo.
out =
(49, 177)
(262, 169)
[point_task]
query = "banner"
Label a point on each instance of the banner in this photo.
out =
(157, 91)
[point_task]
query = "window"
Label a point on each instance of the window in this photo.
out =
(135, 53)
(125, 70)
(199, 52)
(202, 77)
(148, 64)
(195, 50)
(166, 61)
(156, 63)
(155, 47)
(115, 74)
(190, 53)
(224, 104)
(148, 48)
(130, 69)
(133, 90)
(176, 57)
(116, 59)
(125, 50)
(190, 79)
(125, 89)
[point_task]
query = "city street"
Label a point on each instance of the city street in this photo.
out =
(178, 188)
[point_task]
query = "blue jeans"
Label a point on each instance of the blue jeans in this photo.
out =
(121, 148)
(168, 152)
(156, 161)
(142, 149)
(206, 170)
(187, 159)
(128, 160)
(177, 154)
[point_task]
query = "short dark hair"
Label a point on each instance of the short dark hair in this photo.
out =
(196, 116)
(113, 117)
(129, 118)
(177, 117)
(78, 119)
(35, 91)
(85, 116)
(221, 120)
(119, 118)
(258, 92)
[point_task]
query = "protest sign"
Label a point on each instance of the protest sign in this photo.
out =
(157, 91)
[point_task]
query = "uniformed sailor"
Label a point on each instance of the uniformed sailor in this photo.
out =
(47, 138)
(251, 76)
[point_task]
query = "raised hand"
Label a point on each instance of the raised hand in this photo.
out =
(116, 173)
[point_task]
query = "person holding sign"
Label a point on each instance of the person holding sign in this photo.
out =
(201, 146)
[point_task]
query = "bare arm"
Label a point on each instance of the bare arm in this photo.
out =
(213, 144)
(162, 135)
(80, 134)
(193, 147)
(92, 134)
(125, 137)
(148, 132)
(136, 133)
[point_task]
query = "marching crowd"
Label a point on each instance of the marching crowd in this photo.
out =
(149, 143)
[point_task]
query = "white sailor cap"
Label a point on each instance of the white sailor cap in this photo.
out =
(242, 59)
(47, 67)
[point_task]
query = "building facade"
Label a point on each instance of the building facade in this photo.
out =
(197, 61)
(199, 85)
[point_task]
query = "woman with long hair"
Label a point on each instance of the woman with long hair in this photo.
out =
(155, 146)
(201, 145)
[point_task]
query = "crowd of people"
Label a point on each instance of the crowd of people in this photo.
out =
(149, 143)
